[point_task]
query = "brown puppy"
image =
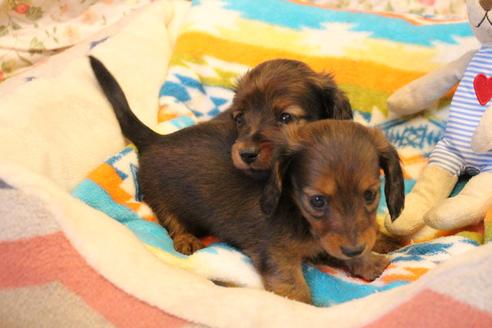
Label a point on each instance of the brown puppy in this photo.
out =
(188, 178)
(277, 93)
(323, 194)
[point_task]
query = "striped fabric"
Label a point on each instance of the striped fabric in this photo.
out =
(470, 101)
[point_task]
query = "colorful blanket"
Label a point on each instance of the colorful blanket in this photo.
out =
(371, 55)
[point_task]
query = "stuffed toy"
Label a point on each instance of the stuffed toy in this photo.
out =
(466, 146)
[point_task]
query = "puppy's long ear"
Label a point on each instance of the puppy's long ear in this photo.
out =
(286, 147)
(273, 188)
(335, 102)
(389, 161)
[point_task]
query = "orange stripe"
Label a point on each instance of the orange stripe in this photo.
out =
(190, 46)
(414, 274)
(107, 178)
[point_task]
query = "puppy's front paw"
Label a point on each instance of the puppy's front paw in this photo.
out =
(297, 291)
(187, 244)
(285, 278)
(368, 267)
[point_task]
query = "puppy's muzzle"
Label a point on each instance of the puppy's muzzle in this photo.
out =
(248, 155)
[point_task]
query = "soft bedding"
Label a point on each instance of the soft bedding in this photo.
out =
(65, 263)
(33, 30)
(370, 54)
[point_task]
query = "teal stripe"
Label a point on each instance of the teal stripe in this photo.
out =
(148, 232)
(98, 198)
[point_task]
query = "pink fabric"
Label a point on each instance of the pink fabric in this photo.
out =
(431, 309)
(50, 258)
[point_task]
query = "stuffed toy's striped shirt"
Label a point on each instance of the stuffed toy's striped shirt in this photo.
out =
(471, 100)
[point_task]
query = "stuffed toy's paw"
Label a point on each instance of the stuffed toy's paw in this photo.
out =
(433, 186)
(468, 207)
(406, 100)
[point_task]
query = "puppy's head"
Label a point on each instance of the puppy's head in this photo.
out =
(331, 170)
(273, 95)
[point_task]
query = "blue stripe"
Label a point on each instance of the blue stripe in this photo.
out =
(466, 116)
(460, 144)
(471, 113)
(96, 197)
(477, 69)
(464, 95)
(470, 122)
(459, 140)
(474, 112)
(461, 128)
(447, 157)
(461, 125)
(464, 103)
(447, 154)
(478, 61)
(457, 132)
(288, 14)
(453, 169)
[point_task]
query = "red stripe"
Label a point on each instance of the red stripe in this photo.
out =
(49, 258)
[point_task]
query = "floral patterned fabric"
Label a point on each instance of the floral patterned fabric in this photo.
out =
(447, 8)
(31, 30)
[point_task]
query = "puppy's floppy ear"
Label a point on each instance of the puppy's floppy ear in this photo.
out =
(335, 102)
(286, 147)
(389, 161)
(273, 188)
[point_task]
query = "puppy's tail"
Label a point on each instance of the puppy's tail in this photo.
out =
(130, 125)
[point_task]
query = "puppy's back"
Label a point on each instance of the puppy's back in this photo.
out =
(192, 169)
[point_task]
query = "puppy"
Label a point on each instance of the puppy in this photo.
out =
(323, 194)
(274, 94)
(188, 177)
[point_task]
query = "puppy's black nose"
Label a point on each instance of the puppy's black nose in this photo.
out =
(351, 252)
(248, 155)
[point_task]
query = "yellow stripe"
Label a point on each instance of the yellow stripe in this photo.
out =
(365, 74)
(336, 40)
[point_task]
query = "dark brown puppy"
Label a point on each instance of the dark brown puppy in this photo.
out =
(324, 193)
(188, 178)
(276, 93)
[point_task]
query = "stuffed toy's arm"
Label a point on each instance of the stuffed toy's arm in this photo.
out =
(482, 138)
(423, 92)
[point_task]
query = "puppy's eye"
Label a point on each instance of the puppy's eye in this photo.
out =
(318, 202)
(285, 118)
(369, 196)
(239, 118)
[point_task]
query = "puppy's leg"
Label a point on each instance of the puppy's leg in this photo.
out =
(368, 267)
(386, 244)
(184, 242)
(284, 277)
